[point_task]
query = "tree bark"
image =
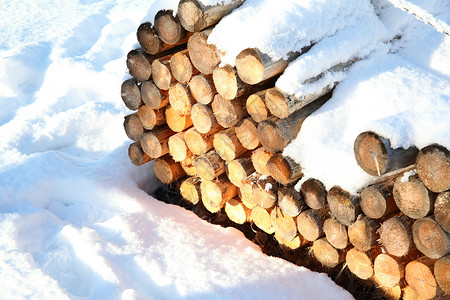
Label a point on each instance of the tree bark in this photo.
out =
(139, 65)
(150, 118)
(152, 96)
(336, 233)
(260, 157)
(256, 106)
(284, 169)
(247, 133)
(131, 94)
(205, 57)
(228, 113)
(215, 193)
(190, 190)
(326, 254)
(344, 206)
(155, 142)
(227, 145)
(175, 121)
(433, 167)
(430, 239)
(198, 143)
(167, 170)
(137, 156)
(290, 201)
(202, 88)
(442, 210)
(314, 193)
(133, 127)
(209, 165)
(204, 120)
(283, 225)
(396, 236)
(363, 233)
(168, 27)
(181, 67)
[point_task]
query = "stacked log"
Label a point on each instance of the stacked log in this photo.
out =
(218, 132)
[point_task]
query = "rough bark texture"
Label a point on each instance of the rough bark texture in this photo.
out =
(167, 170)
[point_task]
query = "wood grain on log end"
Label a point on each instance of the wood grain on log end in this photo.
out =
(441, 273)
(139, 65)
(430, 239)
(205, 57)
(181, 66)
(155, 142)
(260, 157)
(148, 38)
(344, 206)
(227, 83)
(175, 121)
(419, 276)
(227, 144)
(433, 167)
(167, 170)
(265, 192)
(131, 94)
(152, 96)
(261, 218)
(247, 133)
(363, 233)
(161, 74)
(377, 201)
(137, 156)
(168, 27)
(284, 169)
(326, 254)
(442, 210)
(190, 189)
(310, 224)
(177, 147)
(239, 169)
(202, 88)
(246, 190)
(133, 127)
(412, 197)
(290, 201)
(256, 106)
(236, 211)
(387, 270)
(150, 118)
(198, 143)
(283, 224)
(336, 233)
(180, 99)
(396, 236)
(228, 113)
(209, 165)
(314, 193)
(359, 263)
(215, 193)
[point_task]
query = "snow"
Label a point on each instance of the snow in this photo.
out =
(76, 220)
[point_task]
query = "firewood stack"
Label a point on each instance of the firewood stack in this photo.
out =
(218, 132)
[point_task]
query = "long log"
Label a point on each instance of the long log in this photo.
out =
(152, 96)
(247, 133)
(139, 65)
(239, 169)
(326, 254)
(290, 201)
(137, 156)
(363, 233)
(155, 142)
(228, 84)
(256, 106)
(236, 211)
(377, 201)
(202, 88)
(314, 193)
(178, 148)
(209, 165)
(310, 223)
(175, 121)
(167, 170)
(195, 16)
(261, 218)
(150, 118)
(215, 193)
(168, 27)
(265, 192)
(419, 275)
(275, 134)
(162, 74)
(181, 67)
(131, 94)
(374, 154)
(151, 43)
(228, 113)
(190, 189)
(441, 273)
(283, 225)
(430, 239)
(260, 157)
(205, 57)
(227, 144)
(344, 206)
(359, 263)
(396, 236)
(433, 167)
(442, 210)
(198, 143)
(133, 127)
(284, 169)
(336, 233)
(388, 270)
(412, 197)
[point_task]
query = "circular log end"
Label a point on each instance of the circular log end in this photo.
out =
(325, 253)
(341, 205)
(433, 167)
(276, 103)
(359, 263)
(261, 218)
(235, 211)
(396, 237)
(371, 153)
(441, 272)
(289, 201)
(204, 56)
(133, 127)
(136, 155)
(336, 233)
(189, 189)
(260, 157)
(168, 27)
(147, 116)
(246, 194)
(387, 270)
(167, 170)
(225, 81)
(151, 145)
(202, 89)
(195, 142)
(236, 172)
(412, 197)
(249, 66)
(270, 136)
(442, 210)
(247, 134)
(308, 226)
(224, 146)
(175, 121)
(204, 168)
(148, 38)
(131, 95)
(373, 203)
(224, 111)
(162, 76)
(211, 195)
(190, 15)
(256, 108)
(151, 95)
(283, 225)
(419, 276)
(361, 235)
(314, 193)
(180, 99)
(280, 169)
(202, 117)
(177, 148)
(181, 67)
(264, 195)
(139, 66)
(429, 238)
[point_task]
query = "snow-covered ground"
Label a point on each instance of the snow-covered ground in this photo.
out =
(75, 218)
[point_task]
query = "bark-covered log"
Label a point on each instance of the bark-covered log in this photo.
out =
(236, 211)
(359, 263)
(314, 193)
(190, 189)
(441, 273)
(198, 143)
(256, 106)
(396, 236)
(430, 239)
(284, 169)
(363, 233)
(247, 133)
(310, 223)
(195, 16)
(209, 165)
(228, 84)
(261, 218)
(181, 67)
(260, 157)
(175, 121)
(150, 118)
(442, 210)
(283, 225)
(133, 127)
(326, 254)
(227, 144)
(181, 99)
(336, 233)
(344, 206)
(373, 153)
(151, 43)
(228, 113)
(239, 169)
(162, 74)
(433, 167)
(139, 65)
(265, 192)
(131, 94)
(137, 156)
(205, 57)
(155, 142)
(377, 201)
(215, 193)
(290, 201)
(419, 275)
(167, 170)
(204, 120)
(152, 96)
(168, 27)
(388, 270)
(202, 88)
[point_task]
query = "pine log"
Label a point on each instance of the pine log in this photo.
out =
(283, 225)
(419, 275)
(396, 236)
(236, 211)
(256, 106)
(180, 99)
(246, 190)
(253, 66)
(290, 201)
(178, 148)
(133, 127)
(228, 113)
(204, 120)
(377, 201)
(195, 16)
(433, 167)
(150, 118)
(261, 218)
(215, 193)
(388, 270)
(190, 189)
(314, 193)
(430, 239)
(310, 223)
(155, 142)
(359, 263)
(284, 169)
(205, 57)
(137, 156)
(239, 169)
(227, 145)
(198, 143)
(151, 43)
(275, 134)
(412, 197)
(161, 73)
(202, 88)
(336, 233)
(181, 67)
(265, 192)
(175, 121)
(409, 294)
(152, 96)
(375, 156)
(247, 133)
(260, 157)
(442, 210)
(228, 84)
(344, 206)
(139, 65)
(168, 27)
(131, 94)
(442, 273)
(296, 243)
(363, 233)
(188, 165)
(209, 165)
(326, 254)
(167, 170)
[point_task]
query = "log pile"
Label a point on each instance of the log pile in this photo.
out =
(217, 134)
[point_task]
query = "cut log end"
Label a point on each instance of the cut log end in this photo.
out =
(256, 107)
(137, 156)
(226, 82)
(155, 143)
(430, 239)
(433, 167)
(442, 210)
(198, 143)
(260, 157)
(175, 121)
(180, 99)
(277, 104)
(247, 134)
(264, 192)
(168, 27)
(239, 169)
(326, 254)
(387, 270)
(150, 118)
(396, 236)
(209, 165)
(261, 218)
(202, 88)
(271, 136)
(249, 66)
(181, 67)
(441, 273)
(167, 170)
(335, 233)
(190, 190)
(314, 193)
(344, 206)
(148, 38)
(215, 193)
(283, 169)
(191, 15)
(377, 201)
(205, 57)
(177, 147)
(227, 144)
(359, 263)
(290, 201)
(363, 234)
(131, 94)
(283, 224)
(133, 127)
(152, 96)
(420, 277)
(412, 197)
(310, 225)
(203, 119)
(139, 65)
(228, 113)
(371, 153)
(161, 74)
(236, 211)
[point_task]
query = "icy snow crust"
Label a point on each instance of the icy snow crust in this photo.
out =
(75, 220)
